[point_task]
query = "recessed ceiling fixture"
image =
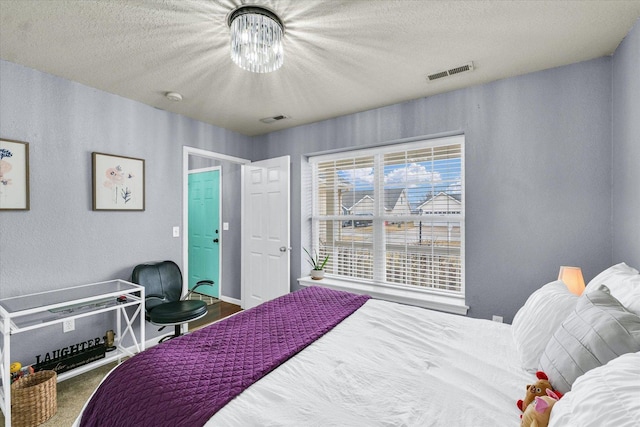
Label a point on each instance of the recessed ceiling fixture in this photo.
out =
(256, 39)
(173, 96)
(447, 73)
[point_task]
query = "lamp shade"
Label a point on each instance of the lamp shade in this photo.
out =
(572, 277)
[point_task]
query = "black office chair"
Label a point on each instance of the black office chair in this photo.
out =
(162, 281)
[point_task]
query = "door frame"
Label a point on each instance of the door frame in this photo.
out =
(219, 278)
(198, 152)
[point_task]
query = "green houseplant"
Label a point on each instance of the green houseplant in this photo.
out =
(317, 265)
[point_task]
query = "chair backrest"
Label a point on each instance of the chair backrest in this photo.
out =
(161, 279)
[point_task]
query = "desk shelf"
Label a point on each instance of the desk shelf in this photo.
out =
(30, 312)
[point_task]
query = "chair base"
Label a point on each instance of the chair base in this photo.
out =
(177, 333)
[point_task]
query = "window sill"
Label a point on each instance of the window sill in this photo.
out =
(425, 299)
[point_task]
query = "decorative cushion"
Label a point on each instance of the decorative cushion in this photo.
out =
(599, 330)
(535, 322)
(623, 283)
(605, 396)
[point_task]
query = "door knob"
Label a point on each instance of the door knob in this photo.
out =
(284, 249)
(216, 240)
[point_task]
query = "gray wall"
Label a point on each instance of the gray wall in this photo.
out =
(626, 150)
(538, 184)
(61, 242)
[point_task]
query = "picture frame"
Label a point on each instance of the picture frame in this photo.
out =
(118, 183)
(14, 175)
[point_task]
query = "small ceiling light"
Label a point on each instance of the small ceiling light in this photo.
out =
(274, 119)
(256, 39)
(173, 96)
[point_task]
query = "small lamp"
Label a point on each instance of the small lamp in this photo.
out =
(572, 277)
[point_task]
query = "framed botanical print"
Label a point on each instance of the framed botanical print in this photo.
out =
(118, 183)
(14, 175)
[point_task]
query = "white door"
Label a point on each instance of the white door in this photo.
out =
(265, 230)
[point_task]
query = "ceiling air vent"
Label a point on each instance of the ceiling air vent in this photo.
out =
(447, 73)
(274, 119)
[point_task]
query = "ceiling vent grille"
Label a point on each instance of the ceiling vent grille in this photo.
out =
(274, 119)
(448, 73)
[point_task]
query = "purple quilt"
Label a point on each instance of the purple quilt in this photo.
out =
(186, 380)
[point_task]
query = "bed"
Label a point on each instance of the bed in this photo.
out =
(387, 364)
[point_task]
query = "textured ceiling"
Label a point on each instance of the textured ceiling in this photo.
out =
(340, 56)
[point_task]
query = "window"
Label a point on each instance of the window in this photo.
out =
(393, 216)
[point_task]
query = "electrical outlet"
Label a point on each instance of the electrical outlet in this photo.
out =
(176, 231)
(68, 325)
(497, 318)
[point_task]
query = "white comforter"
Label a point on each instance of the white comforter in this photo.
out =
(392, 365)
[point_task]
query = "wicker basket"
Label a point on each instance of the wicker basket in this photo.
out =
(34, 399)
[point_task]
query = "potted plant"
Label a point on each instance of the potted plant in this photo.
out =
(317, 271)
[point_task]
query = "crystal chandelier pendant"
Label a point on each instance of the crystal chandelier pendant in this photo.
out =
(256, 39)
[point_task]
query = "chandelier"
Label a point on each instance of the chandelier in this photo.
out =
(256, 39)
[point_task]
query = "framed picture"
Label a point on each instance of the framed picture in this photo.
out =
(14, 175)
(118, 183)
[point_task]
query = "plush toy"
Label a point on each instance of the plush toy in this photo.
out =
(538, 412)
(539, 388)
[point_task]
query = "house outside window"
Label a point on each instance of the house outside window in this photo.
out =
(393, 217)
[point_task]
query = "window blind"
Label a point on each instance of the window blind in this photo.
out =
(392, 214)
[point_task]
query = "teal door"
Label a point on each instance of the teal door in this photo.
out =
(204, 231)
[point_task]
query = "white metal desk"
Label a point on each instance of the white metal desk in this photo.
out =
(29, 312)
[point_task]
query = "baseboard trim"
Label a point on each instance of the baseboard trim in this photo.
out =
(231, 300)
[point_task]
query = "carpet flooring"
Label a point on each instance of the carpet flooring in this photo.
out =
(74, 392)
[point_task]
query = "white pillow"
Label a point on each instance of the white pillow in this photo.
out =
(599, 330)
(623, 283)
(535, 322)
(604, 396)
(612, 273)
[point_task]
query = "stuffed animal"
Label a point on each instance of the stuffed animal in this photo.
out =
(539, 388)
(538, 412)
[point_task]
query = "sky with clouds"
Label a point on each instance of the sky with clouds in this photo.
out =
(421, 178)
